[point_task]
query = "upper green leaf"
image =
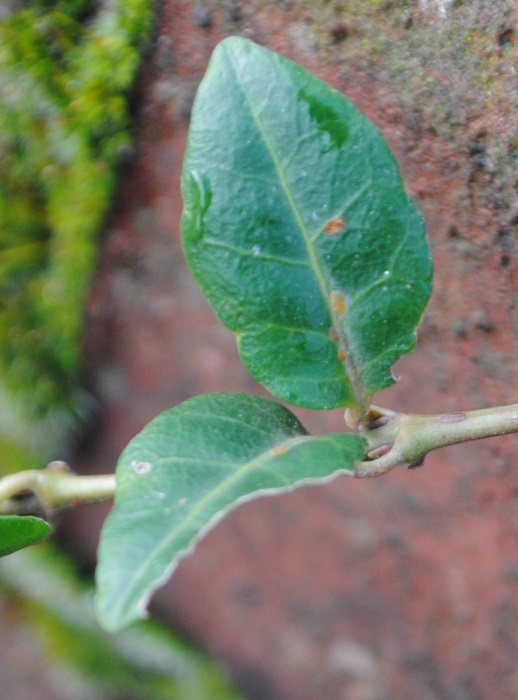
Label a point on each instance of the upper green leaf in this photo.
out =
(17, 532)
(184, 471)
(299, 230)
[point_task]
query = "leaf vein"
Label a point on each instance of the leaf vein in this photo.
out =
(351, 371)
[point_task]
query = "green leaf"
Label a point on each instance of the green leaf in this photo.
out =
(298, 228)
(187, 468)
(19, 531)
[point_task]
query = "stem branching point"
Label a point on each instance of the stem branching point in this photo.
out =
(45, 491)
(400, 439)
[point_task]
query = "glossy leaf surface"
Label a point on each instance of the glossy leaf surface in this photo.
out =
(17, 532)
(184, 471)
(298, 228)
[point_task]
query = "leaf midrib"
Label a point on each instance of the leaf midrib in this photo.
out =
(351, 371)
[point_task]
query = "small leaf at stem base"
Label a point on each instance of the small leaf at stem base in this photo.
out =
(17, 532)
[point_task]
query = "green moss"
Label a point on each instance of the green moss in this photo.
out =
(64, 122)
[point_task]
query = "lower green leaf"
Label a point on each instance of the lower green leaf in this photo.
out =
(184, 471)
(19, 531)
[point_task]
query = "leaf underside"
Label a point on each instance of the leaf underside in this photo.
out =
(186, 469)
(17, 532)
(298, 228)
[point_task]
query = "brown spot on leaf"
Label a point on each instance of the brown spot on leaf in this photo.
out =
(335, 226)
(338, 303)
(278, 451)
(333, 334)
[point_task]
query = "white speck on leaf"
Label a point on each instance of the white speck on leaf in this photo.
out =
(141, 468)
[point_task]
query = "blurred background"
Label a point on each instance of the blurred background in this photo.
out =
(401, 587)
